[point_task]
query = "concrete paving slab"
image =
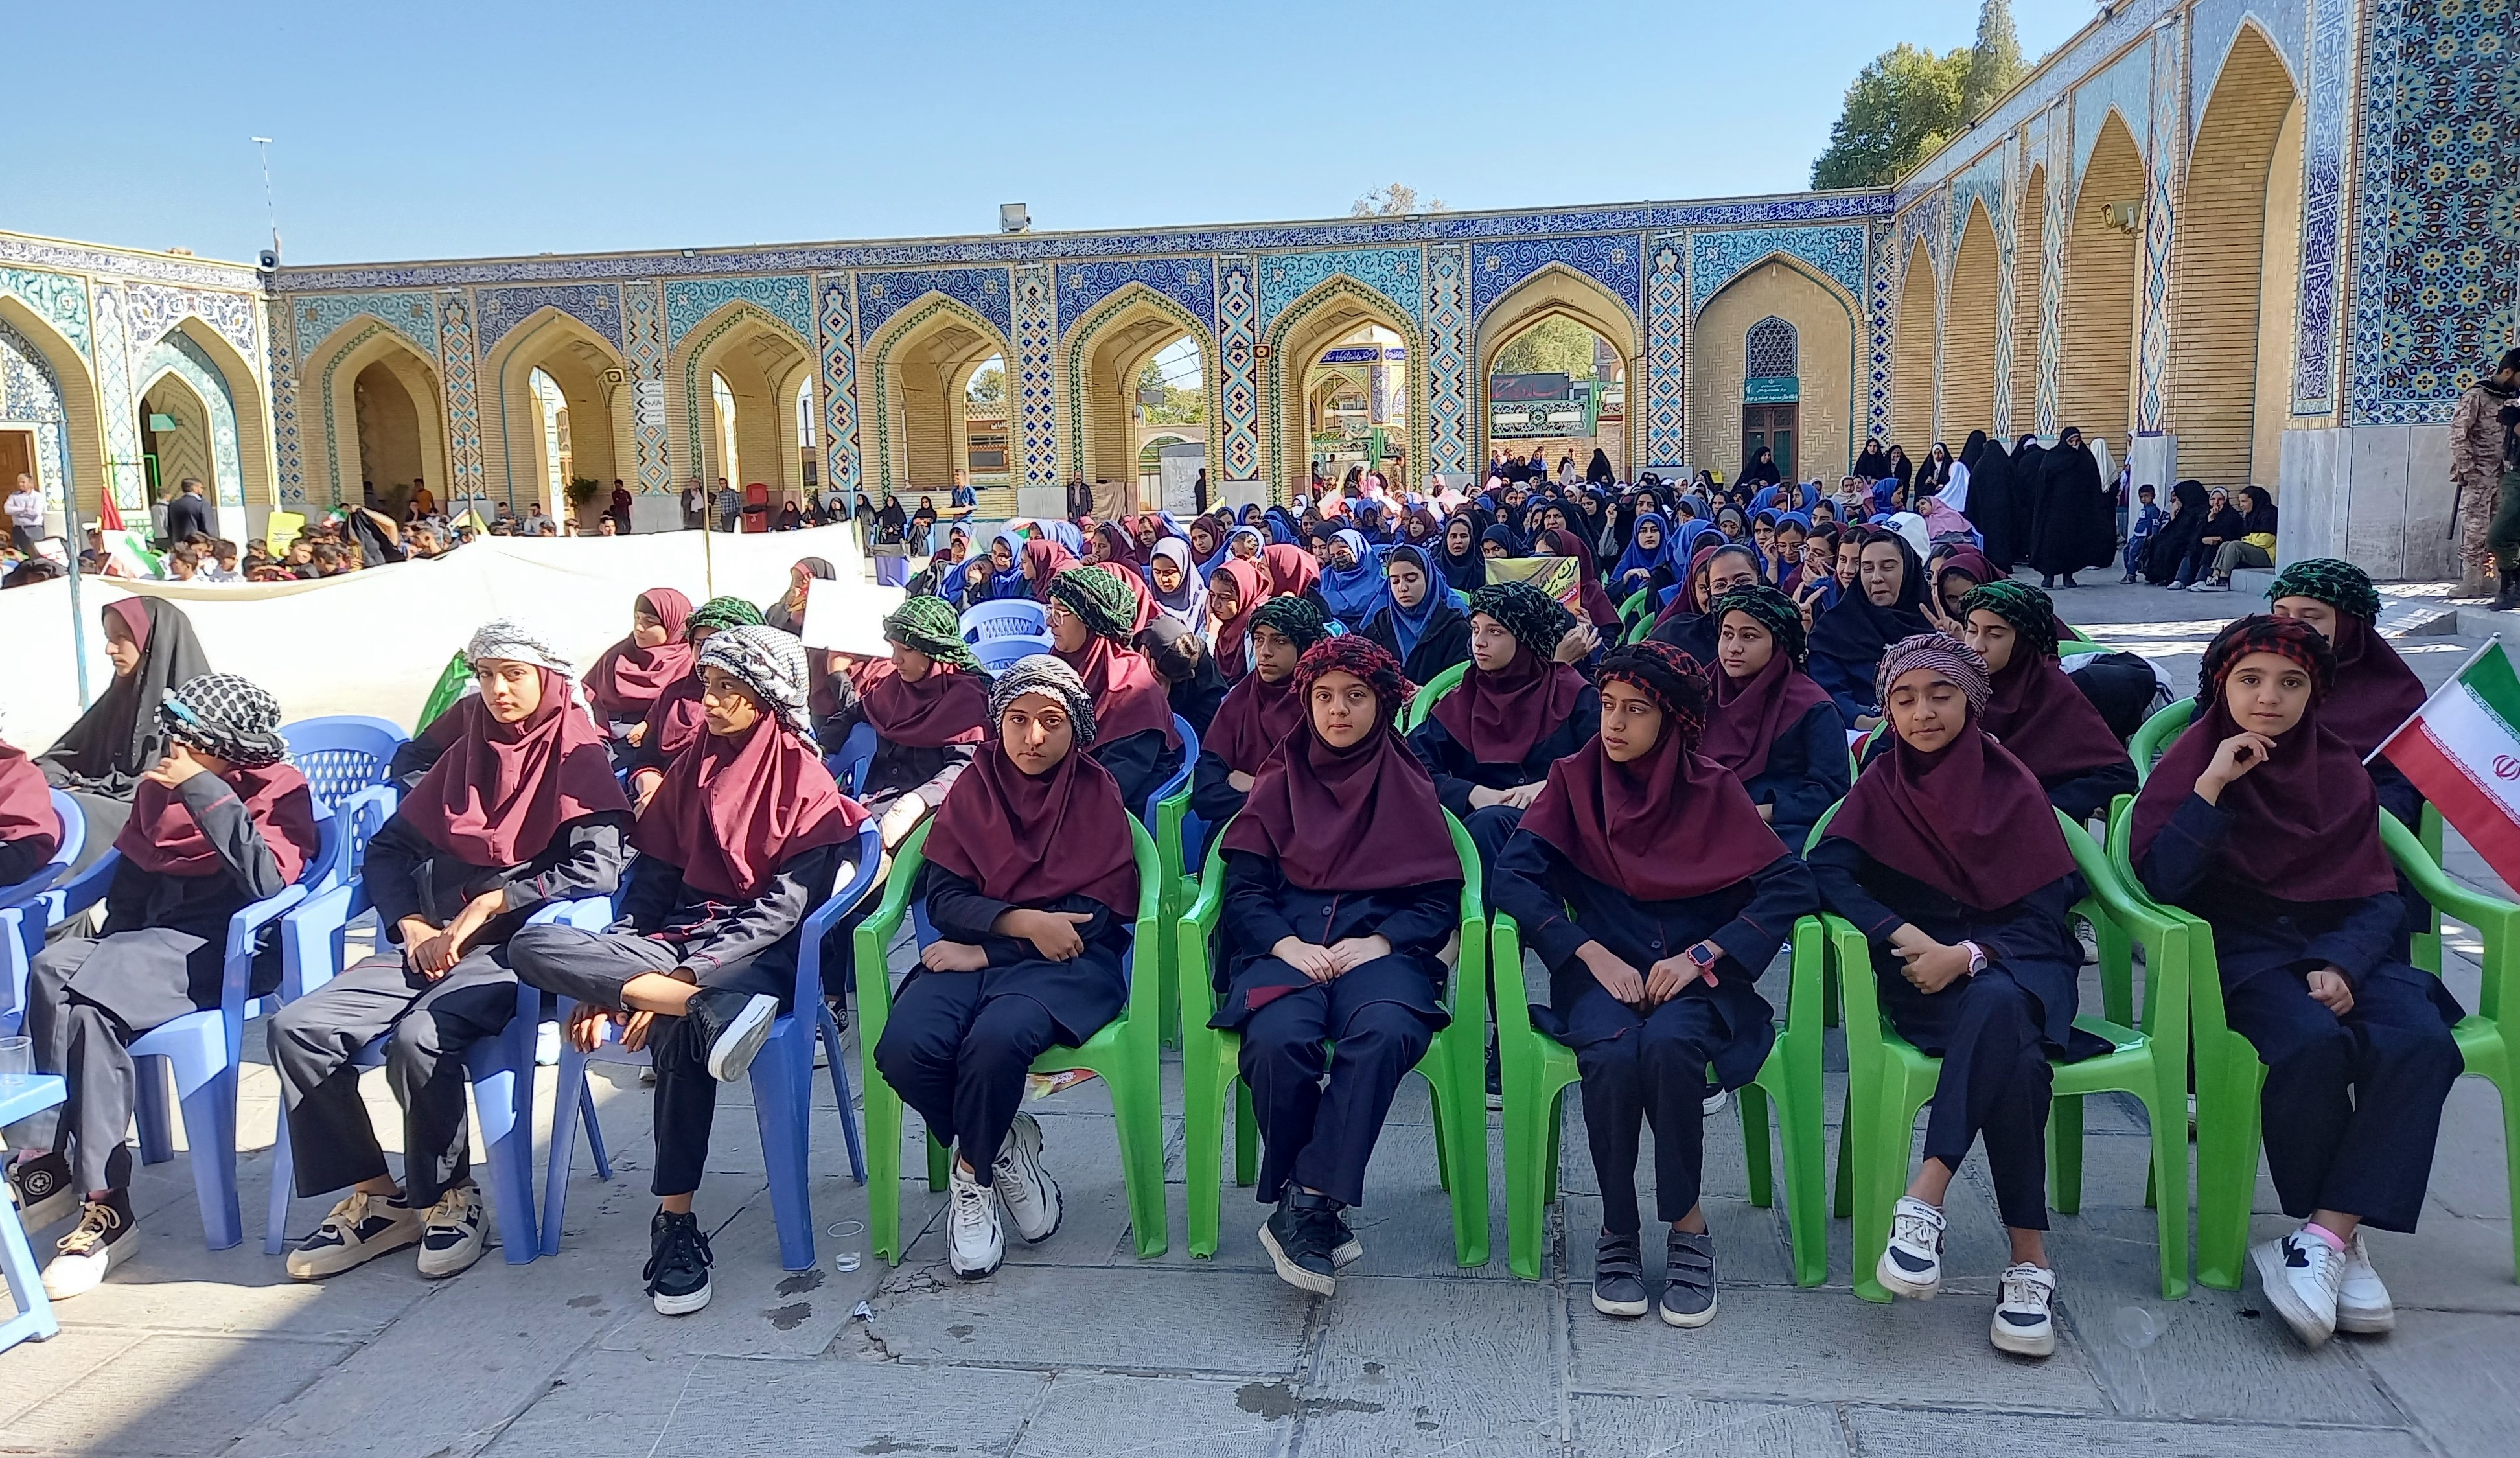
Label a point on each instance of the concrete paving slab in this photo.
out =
(1099, 1414)
(1884, 1430)
(1132, 1319)
(170, 1395)
(2225, 1356)
(2455, 1373)
(1624, 1427)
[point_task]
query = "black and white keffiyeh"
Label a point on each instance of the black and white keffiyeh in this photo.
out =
(772, 665)
(1043, 675)
(227, 715)
(510, 641)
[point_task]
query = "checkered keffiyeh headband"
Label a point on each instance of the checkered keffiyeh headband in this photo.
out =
(1536, 620)
(1040, 674)
(2031, 612)
(510, 641)
(1353, 653)
(1942, 652)
(2339, 585)
(2286, 637)
(1670, 677)
(719, 613)
(929, 624)
(1770, 610)
(227, 715)
(1098, 598)
(1299, 619)
(772, 665)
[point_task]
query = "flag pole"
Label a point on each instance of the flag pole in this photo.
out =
(2492, 641)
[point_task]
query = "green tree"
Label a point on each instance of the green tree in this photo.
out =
(1994, 61)
(988, 386)
(1182, 406)
(1393, 199)
(1902, 107)
(1550, 346)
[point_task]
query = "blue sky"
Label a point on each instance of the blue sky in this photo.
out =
(458, 127)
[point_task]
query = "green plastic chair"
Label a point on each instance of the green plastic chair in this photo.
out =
(2163, 729)
(2230, 1075)
(1638, 612)
(1422, 703)
(1123, 1053)
(1538, 1069)
(448, 688)
(1455, 1067)
(1888, 1081)
(1179, 888)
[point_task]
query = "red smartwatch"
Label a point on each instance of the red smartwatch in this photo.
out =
(1698, 954)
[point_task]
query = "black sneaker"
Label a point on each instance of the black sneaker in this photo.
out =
(735, 1025)
(42, 1187)
(678, 1262)
(1345, 1249)
(1496, 1074)
(1688, 1279)
(1619, 1275)
(1298, 1236)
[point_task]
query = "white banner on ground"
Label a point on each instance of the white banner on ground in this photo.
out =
(374, 642)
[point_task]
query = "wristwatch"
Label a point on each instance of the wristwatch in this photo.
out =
(1977, 957)
(1698, 954)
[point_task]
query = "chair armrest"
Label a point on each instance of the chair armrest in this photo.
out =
(2486, 913)
(312, 924)
(1198, 924)
(844, 898)
(87, 887)
(875, 932)
(1806, 974)
(1146, 981)
(1505, 964)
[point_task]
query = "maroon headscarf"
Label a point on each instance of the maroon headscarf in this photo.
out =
(732, 811)
(1255, 717)
(26, 804)
(1358, 819)
(2376, 691)
(677, 717)
(1046, 558)
(948, 706)
(1232, 635)
(627, 679)
(1119, 548)
(1686, 603)
(499, 793)
(1128, 698)
(1292, 570)
(1500, 716)
(163, 837)
(2305, 824)
(1598, 609)
(1968, 820)
(2035, 710)
(1669, 823)
(1750, 714)
(1029, 841)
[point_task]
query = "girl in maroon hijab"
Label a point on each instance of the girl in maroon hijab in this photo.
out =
(1092, 629)
(1947, 856)
(1292, 570)
(1042, 560)
(1768, 723)
(626, 680)
(744, 839)
(1341, 888)
(1031, 886)
(222, 821)
(2375, 692)
(1656, 895)
(1598, 609)
(30, 831)
(1489, 742)
(1235, 589)
(515, 806)
(2035, 707)
(2262, 821)
(1257, 713)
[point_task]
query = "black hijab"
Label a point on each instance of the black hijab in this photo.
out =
(118, 737)
(1856, 632)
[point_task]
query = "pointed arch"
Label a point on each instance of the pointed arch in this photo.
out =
(921, 360)
(1911, 354)
(258, 482)
(1824, 318)
(1330, 308)
(2096, 327)
(761, 359)
(205, 445)
(595, 381)
(77, 467)
(398, 426)
(1555, 290)
(1969, 332)
(1104, 351)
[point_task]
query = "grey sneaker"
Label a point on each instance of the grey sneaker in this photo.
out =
(1027, 1190)
(1619, 1276)
(1688, 1279)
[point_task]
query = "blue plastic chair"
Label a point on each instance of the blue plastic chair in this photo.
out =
(27, 912)
(782, 1083)
(998, 655)
(204, 1051)
(343, 755)
(1005, 618)
(848, 763)
(501, 1067)
(22, 1096)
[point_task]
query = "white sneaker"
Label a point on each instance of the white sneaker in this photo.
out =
(2363, 1303)
(1911, 1263)
(361, 1228)
(975, 1242)
(454, 1234)
(1713, 1104)
(2301, 1274)
(739, 1033)
(546, 1045)
(1027, 1190)
(2023, 1325)
(103, 1239)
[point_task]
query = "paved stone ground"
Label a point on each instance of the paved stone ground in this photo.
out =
(1078, 1349)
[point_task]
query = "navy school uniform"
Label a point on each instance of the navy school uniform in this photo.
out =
(1995, 1032)
(1140, 762)
(1807, 772)
(1849, 686)
(1445, 643)
(2352, 1105)
(1653, 1065)
(1457, 774)
(957, 1044)
(746, 947)
(1382, 1016)
(895, 769)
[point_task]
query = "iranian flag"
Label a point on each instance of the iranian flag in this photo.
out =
(2462, 751)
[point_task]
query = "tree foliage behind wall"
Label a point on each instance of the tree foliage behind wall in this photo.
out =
(1910, 101)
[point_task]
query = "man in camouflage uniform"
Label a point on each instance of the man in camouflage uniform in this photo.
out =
(2476, 467)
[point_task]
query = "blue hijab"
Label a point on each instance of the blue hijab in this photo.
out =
(1410, 624)
(1063, 532)
(1226, 552)
(1638, 559)
(1356, 593)
(1283, 530)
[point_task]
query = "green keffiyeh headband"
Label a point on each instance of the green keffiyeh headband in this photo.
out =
(1770, 610)
(1097, 596)
(2339, 585)
(1536, 620)
(1299, 619)
(930, 625)
(2031, 612)
(719, 613)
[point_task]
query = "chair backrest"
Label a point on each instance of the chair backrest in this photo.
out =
(2157, 734)
(1178, 778)
(998, 655)
(1003, 618)
(1428, 692)
(848, 763)
(74, 838)
(343, 754)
